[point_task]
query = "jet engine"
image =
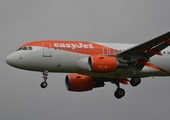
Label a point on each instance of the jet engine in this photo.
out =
(79, 83)
(100, 64)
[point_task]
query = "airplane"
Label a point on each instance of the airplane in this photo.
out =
(91, 64)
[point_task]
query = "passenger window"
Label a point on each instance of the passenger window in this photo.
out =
(30, 48)
(24, 48)
(111, 50)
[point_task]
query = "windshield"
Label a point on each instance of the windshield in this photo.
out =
(19, 49)
(25, 48)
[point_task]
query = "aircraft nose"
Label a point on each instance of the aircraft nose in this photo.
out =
(10, 60)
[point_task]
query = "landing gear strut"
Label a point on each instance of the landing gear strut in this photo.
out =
(119, 93)
(44, 84)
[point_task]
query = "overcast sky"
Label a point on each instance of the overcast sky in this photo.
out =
(120, 21)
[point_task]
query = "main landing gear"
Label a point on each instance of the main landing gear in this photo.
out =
(135, 81)
(44, 84)
(119, 93)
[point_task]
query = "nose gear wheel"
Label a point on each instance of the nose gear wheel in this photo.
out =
(44, 84)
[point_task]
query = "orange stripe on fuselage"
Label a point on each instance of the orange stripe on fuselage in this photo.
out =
(76, 46)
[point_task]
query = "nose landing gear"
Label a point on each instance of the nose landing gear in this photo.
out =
(44, 84)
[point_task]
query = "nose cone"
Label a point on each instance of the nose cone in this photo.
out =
(9, 59)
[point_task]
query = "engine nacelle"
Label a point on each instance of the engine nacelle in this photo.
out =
(103, 64)
(100, 64)
(79, 83)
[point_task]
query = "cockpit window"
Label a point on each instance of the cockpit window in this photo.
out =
(30, 48)
(19, 49)
(24, 48)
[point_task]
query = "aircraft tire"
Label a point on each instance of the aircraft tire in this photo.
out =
(135, 81)
(44, 84)
(119, 93)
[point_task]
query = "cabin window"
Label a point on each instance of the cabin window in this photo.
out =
(111, 50)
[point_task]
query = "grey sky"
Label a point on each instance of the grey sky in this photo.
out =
(132, 21)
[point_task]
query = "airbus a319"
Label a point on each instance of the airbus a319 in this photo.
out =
(91, 64)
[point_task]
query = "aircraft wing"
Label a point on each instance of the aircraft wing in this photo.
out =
(140, 54)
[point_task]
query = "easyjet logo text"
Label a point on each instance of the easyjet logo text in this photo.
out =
(73, 46)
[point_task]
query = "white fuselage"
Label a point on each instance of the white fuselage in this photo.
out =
(61, 60)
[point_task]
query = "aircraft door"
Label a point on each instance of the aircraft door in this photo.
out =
(46, 49)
